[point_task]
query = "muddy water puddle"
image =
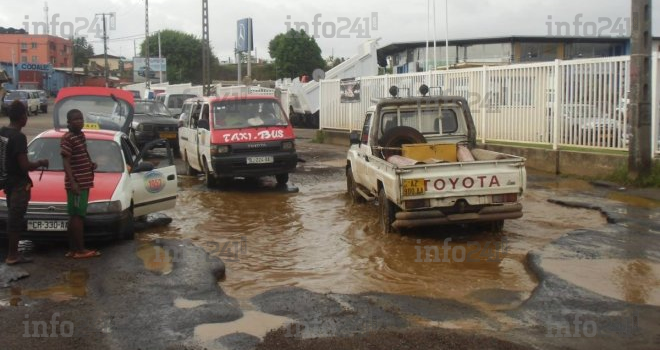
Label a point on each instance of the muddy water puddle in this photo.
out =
(317, 240)
(73, 287)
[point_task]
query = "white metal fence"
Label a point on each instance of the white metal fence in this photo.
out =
(243, 90)
(560, 103)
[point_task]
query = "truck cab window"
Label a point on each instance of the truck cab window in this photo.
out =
(364, 138)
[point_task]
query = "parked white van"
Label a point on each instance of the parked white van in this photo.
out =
(174, 102)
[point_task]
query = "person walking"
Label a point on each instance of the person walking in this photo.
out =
(19, 184)
(78, 179)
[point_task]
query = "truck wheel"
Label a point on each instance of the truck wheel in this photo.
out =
(282, 179)
(387, 212)
(190, 171)
(497, 226)
(209, 178)
(397, 136)
(351, 187)
(292, 117)
(314, 120)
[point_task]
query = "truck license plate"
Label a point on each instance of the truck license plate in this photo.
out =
(167, 135)
(413, 187)
(260, 160)
(47, 225)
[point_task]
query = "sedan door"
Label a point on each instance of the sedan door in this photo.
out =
(154, 186)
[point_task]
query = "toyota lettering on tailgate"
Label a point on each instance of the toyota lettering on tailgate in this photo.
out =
(254, 136)
(452, 183)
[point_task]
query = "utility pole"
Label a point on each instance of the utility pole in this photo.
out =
(13, 68)
(147, 78)
(106, 73)
(238, 64)
(73, 59)
(641, 80)
(206, 75)
(46, 13)
(160, 61)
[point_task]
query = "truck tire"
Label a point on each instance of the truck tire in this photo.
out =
(351, 187)
(282, 179)
(314, 120)
(397, 136)
(387, 212)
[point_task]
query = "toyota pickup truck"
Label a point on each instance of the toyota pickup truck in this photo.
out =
(417, 157)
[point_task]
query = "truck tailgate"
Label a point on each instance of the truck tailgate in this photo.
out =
(462, 179)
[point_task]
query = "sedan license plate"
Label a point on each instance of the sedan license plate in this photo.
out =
(413, 187)
(167, 135)
(260, 160)
(47, 225)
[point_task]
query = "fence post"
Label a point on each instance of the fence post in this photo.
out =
(654, 105)
(484, 82)
(556, 107)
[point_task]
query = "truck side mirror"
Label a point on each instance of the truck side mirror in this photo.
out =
(354, 137)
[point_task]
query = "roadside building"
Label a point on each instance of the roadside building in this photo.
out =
(410, 57)
(36, 49)
(113, 62)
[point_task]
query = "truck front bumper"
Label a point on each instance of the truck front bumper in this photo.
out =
(433, 217)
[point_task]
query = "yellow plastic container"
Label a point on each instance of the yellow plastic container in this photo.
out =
(422, 151)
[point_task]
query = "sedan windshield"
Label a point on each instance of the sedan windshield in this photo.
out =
(105, 153)
(247, 113)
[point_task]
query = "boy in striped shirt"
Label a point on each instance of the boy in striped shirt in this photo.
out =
(78, 179)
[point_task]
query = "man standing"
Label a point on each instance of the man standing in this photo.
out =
(19, 184)
(78, 179)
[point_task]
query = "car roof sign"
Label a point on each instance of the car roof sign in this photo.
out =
(102, 108)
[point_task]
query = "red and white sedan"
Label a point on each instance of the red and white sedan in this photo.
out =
(125, 186)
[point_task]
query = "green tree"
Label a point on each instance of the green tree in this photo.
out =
(183, 52)
(82, 51)
(295, 53)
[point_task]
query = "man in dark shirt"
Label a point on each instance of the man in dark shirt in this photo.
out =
(18, 184)
(78, 179)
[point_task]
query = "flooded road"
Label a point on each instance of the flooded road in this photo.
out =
(317, 240)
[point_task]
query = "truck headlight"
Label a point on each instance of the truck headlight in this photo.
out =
(288, 145)
(104, 207)
(219, 149)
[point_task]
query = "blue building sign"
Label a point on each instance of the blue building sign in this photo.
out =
(35, 67)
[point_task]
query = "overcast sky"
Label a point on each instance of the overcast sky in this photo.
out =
(391, 21)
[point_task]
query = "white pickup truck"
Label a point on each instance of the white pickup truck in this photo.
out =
(417, 157)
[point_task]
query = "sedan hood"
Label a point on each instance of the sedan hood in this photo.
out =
(50, 189)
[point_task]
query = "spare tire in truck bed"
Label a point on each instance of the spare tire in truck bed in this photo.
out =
(397, 136)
